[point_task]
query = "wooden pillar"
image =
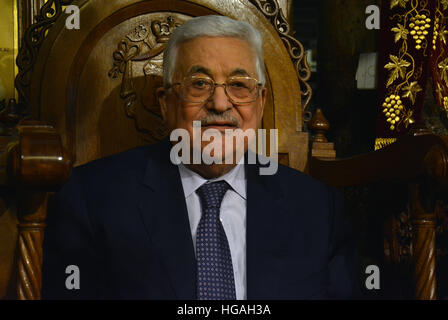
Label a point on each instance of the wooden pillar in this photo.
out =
(424, 244)
(32, 213)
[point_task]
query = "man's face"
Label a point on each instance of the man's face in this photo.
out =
(217, 58)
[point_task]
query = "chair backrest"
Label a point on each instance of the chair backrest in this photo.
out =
(96, 85)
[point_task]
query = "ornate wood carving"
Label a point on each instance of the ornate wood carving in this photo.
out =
(273, 12)
(404, 232)
(398, 238)
(144, 43)
(34, 36)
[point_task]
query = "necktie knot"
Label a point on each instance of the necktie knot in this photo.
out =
(211, 194)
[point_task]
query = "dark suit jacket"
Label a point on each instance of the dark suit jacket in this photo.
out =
(123, 221)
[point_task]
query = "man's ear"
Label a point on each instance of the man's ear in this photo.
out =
(161, 94)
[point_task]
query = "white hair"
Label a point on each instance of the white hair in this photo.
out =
(212, 26)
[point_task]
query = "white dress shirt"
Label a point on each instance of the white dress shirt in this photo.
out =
(232, 213)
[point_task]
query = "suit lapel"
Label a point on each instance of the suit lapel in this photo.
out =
(164, 214)
(268, 235)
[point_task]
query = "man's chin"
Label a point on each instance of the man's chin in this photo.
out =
(219, 155)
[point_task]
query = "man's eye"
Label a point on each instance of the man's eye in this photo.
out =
(200, 84)
(238, 84)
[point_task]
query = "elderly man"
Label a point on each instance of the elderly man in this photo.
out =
(142, 225)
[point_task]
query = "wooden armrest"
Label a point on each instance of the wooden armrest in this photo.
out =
(38, 161)
(406, 160)
(36, 164)
(402, 161)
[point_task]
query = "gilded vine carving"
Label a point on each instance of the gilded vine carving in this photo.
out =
(439, 42)
(411, 30)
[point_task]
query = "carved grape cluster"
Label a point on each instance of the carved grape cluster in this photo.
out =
(392, 108)
(419, 29)
(445, 103)
(436, 33)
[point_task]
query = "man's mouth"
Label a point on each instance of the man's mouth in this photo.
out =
(219, 125)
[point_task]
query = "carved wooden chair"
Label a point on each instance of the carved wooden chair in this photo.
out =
(419, 162)
(91, 92)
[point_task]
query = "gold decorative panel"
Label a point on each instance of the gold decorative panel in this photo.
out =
(8, 48)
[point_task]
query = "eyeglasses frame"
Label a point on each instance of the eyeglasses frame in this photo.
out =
(215, 84)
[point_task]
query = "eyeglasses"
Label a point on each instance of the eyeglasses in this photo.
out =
(240, 90)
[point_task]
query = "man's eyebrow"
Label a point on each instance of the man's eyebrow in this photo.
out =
(240, 72)
(200, 69)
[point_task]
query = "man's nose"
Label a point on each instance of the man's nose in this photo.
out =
(219, 100)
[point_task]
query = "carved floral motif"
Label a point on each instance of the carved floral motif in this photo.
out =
(145, 43)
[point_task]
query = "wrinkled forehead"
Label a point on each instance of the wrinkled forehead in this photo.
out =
(215, 56)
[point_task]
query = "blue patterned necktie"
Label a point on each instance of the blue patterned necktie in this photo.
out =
(214, 262)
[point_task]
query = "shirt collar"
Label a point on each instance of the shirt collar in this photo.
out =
(191, 181)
